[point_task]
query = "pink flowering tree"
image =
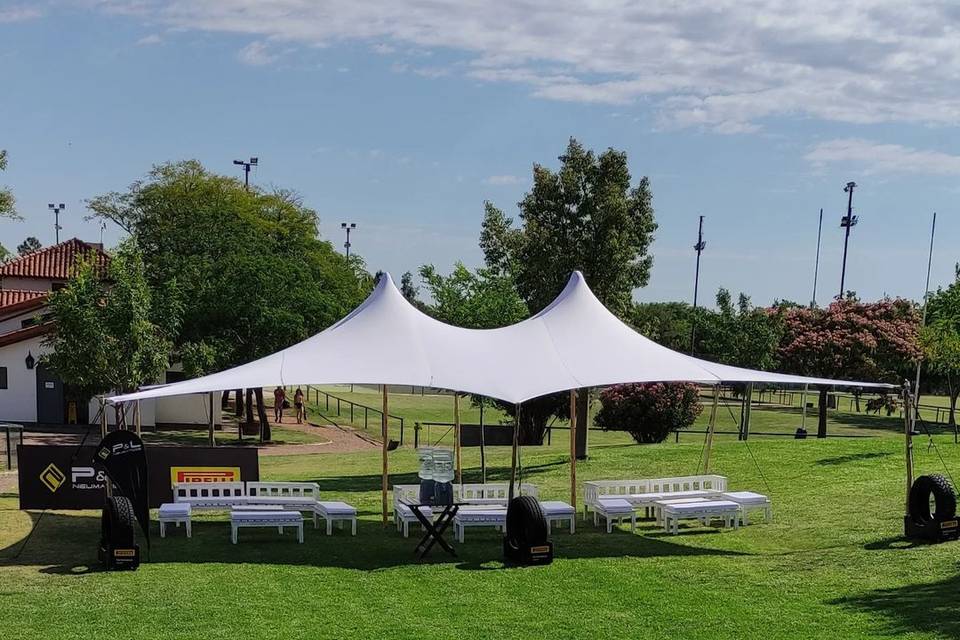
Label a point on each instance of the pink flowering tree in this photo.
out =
(649, 412)
(852, 340)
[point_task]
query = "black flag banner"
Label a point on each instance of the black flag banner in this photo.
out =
(124, 460)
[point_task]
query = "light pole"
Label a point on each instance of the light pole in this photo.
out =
(246, 170)
(846, 222)
(699, 247)
(56, 208)
(348, 227)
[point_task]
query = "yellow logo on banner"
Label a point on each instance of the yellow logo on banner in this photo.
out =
(52, 477)
(204, 474)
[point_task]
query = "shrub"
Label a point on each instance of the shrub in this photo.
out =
(649, 412)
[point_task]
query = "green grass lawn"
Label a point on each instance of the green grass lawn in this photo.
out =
(831, 565)
(198, 437)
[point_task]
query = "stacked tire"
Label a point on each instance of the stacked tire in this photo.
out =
(117, 524)
(526, 540)
(937, 490)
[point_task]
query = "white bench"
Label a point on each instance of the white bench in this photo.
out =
(278, 518)
(556, 511)
(211, 495)
(643, 492)
(479, 517)
(335, 512)
(750, 500)
(174, 513)
(725, 510)
(659, 504)
(614, 509)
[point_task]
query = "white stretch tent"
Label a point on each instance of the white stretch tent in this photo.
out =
(573, 343)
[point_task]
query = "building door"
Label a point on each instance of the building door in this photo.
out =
(50, 406)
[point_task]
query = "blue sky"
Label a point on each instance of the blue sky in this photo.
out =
(405, 117)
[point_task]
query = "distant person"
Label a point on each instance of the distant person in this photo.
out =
(301, 408)
(279, 398)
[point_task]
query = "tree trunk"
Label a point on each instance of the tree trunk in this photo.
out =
(262, 414)
(224, 400)
(583, 398)
(238, 408)
(954, 392)
(822, 414)
(856, 400)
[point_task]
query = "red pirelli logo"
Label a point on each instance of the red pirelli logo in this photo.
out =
(204, 474)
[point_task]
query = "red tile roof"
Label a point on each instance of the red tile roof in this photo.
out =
(53, 263)
(16, 296)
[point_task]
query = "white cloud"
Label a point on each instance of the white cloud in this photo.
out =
(876, 158)
(503, 180)
(151, 39)
(19, 13)
(723, 65)
(257, 53)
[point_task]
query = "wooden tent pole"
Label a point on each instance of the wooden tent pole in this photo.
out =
(210, 439)
(711, 429)
(908, 435)
(573, 449)
(513, 455)
(483, 454)
(456, 436)
(383, 435)
(136, 413)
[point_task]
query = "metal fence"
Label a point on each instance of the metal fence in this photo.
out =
(11, 435)
(343, 406)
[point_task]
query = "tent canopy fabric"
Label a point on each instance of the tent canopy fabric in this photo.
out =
(574, 342)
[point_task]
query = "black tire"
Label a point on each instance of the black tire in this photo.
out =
(944, 497)
(117, 523)
(526, 524)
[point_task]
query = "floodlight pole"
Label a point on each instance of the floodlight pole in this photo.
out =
(246, 170)
(816, 264)
(699, 247)
(56, 218)
(923, 321)
(847, 222)
(348, 227)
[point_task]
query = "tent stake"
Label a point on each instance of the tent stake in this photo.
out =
(456, 436)
(513, 455)
(710, 429)
(383, 435)
(573, 449)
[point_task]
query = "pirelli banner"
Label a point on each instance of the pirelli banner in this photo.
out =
(64, 477)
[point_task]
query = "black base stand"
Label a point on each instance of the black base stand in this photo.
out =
(119, 558)
(529, 554)
(932, 531)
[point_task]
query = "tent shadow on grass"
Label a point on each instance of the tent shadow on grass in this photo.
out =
(853, 457)
(66, 545)
(918, 608)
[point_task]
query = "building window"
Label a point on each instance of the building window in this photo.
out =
(3, 377)
(56, 286)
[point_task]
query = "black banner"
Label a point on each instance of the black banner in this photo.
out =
(122, 456)
(64, 477)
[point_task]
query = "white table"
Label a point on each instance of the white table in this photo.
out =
(174, 513)
(726, 510)
(278, 518)
(335, 511)
(615, 509)
(750, 500)
(557, 511)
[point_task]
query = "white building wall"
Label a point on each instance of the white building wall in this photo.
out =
(18, 402)
(14, 323)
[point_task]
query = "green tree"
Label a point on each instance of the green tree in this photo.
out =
(407, 288)
(741, 335)
(941, 342)
(8, 207)
(4, 253)
(251, 271)
(29, 245)
(585, 216)
(109, 333)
